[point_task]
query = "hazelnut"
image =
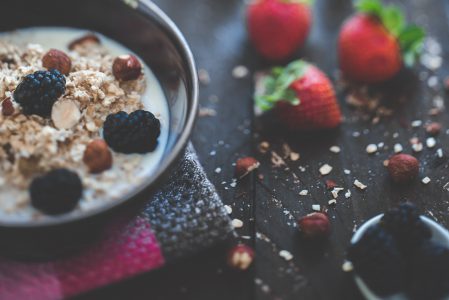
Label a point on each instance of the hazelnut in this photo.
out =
(97, 156)
(240, 257)
(314, 225)
(56, 59)
(433, 128)
(245, 165)
(126, 67)
(7, 107)
(403, 168)
(330, 184)
(89, 38)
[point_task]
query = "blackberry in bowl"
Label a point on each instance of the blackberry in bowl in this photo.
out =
(401, 255)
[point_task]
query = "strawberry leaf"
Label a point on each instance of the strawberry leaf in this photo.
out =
(410, 37)
(411, 40)
(372, 7)
(393, 19)
(277, 85)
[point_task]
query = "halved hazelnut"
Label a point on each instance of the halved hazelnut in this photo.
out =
(65, 114)
(245, 165)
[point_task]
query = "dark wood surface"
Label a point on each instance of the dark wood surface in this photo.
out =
(268, 207)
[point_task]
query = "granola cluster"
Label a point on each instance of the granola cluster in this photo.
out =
(31, 145)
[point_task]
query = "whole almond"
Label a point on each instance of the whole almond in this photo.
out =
(97, 156)
(126, 67)
(56, 59)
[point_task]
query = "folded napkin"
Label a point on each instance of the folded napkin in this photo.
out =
(184, 216)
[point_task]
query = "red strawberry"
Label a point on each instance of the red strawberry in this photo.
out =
(302, 96)
(374, 43)
(277, 28)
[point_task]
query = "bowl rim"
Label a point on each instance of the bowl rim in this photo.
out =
(171, 29)
(363, 287)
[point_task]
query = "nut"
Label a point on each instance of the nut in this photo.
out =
(403, 168)
(126, 67)
(314, 225)
(240, 257)
(89, 38)
(65, 114)
(433, 128)
(56, 59)
(97, 156)
(7, 107)
(245, 165)
(330, 184)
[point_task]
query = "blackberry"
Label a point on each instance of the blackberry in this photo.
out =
(37, 92)
(429, 272)
(377, 260)
(406, 226)
(134, 133)
(56, 192)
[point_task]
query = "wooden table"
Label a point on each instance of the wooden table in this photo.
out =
(268, 207)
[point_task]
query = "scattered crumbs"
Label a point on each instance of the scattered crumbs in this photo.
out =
(332, 202)
(416, 123)
(218, 170)
(398, 148)
(233, 183)
(356, 134)
(335, 149)
(325, 170)
(304, 192)
(207, 112)
(240, 72)
(440, 153)
(245, 237)
(446, 186)
(236, 223)
(386, 163)
(277, 160)
(360, 185)
(347, 266)
(203, 76)
(431, 142)
(395, 135)
(371, 148)
(348, 194)
(335, 191)
(286, 255)
(347, 172)
(302, 169)
(228, 209)
(418, 147)
(294, 156)
(426, 180)
(381, 145)
(213, 153)
(316, 207)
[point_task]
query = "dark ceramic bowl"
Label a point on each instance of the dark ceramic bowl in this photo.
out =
(142, 27)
